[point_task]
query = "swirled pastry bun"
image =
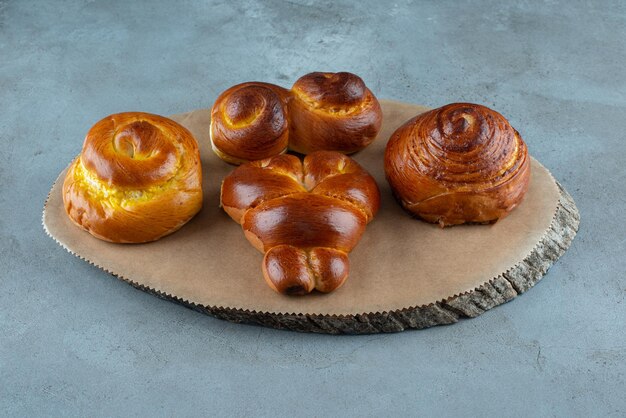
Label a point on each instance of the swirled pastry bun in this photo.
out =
(332, 111)
(322, 111)
(249, 122)
(137, 179)
(461, 163)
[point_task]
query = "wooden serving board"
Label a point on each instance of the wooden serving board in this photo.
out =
(404, 273)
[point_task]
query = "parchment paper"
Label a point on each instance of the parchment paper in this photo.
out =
(400, 262)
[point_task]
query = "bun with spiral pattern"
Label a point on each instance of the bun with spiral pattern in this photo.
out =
(138, 178)
(322, 111)
(461, 163)
(249, 122)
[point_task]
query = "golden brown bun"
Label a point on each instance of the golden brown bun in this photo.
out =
(456, 164)
(322, 111)
(249, 122)
(332, 111)
(305, 216)
(137, 179)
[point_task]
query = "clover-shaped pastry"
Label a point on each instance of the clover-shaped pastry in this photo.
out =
(306, 216)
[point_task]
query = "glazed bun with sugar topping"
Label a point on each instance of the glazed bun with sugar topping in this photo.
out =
(461, 163)
(305, 216)
(137, 179)
(322, 111)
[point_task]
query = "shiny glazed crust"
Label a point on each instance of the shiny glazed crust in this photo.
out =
(332, 111)
(304, 215)
(249, 122)
(461, 163)
(322, 111)
(137, 179)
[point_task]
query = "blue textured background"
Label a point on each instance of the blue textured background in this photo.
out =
(76, 341)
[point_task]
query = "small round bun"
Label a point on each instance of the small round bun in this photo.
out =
(137, 179)
(461, 163)
(333, 111)
(321, 112)
(249, 122)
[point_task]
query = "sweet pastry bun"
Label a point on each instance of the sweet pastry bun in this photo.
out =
(305, 216)
(249, 122)
(322, 111)
(461, 163)
(137, 179)
(332, 111)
